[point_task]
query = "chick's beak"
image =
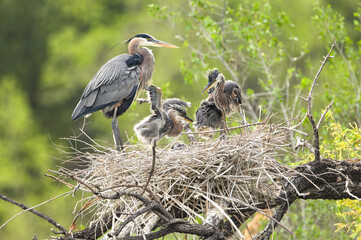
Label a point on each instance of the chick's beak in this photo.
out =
(158, 43)
(209, 85)
(187, 119)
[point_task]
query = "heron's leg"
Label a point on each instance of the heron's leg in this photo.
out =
(224, 124)
(187, 128)
(152, 168)
(243, 115)
(116, 131)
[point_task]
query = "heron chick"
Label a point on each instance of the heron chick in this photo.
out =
(114, 87)
(208, 116)
(166, 119)
(162, 123)
(223, 101)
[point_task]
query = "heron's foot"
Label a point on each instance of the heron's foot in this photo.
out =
(118, 142)
(223, 135)
(225, 128)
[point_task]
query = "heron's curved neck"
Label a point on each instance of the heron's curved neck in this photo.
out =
(177, 125)
(148, 61)
(133, 46)
(147, 66)
(220, 87)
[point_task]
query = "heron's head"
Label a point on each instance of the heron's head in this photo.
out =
(182, 114)
(146, 40)
(213, 77)
(171, 102)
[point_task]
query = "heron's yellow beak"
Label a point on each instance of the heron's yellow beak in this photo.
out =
(187, 119)
(158, 43)
(209, 85)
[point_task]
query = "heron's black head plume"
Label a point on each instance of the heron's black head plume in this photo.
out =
(212, 75)
(142, 35)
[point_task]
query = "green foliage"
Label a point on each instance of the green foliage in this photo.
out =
(346, 67)
(23, 156)
(19, 139)
(309, 221)
(245, 40)
(351, 215)
(345, 143)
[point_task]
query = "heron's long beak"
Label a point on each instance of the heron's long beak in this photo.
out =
(209, 85)
(187, 119)
(158, 43)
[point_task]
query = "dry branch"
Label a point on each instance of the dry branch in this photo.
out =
(36, 212)
(316, 141)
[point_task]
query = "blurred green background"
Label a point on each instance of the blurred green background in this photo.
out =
(49, 51)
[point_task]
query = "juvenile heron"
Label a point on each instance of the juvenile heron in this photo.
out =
(226, 97)
(208, 116)
(114, 86)
(166, 121)
(172, 103)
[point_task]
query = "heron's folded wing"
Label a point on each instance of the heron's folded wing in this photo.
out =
(114, 81)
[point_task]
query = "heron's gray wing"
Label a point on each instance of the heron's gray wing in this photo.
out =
(115, 81)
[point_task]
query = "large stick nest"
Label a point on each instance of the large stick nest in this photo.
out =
(230, 172)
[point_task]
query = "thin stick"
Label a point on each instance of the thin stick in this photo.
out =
(220, 209)
(59, 180)
(152, 169)
(281, 211)
(316, 141)
(36, 212)
(324, 114)
(348, 190)
(91, 188)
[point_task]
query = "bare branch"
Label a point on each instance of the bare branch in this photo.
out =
(36, 212)
(324, 114)
(316, 141)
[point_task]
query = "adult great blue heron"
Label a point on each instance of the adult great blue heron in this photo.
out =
(114, 86)
(226, 97)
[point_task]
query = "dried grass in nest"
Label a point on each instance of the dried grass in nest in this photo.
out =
(238, 170)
